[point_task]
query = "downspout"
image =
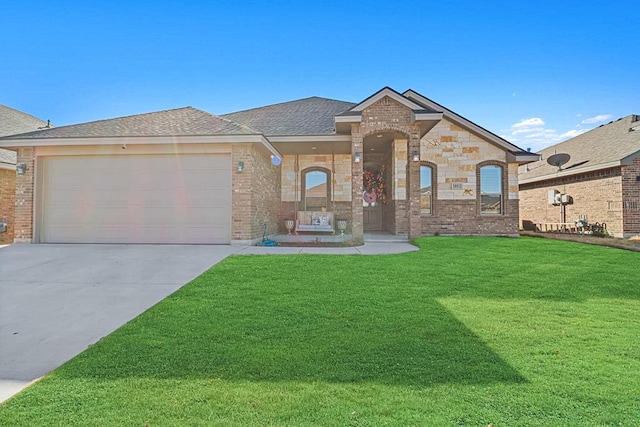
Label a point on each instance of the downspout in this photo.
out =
(295, 191)
(333, 183)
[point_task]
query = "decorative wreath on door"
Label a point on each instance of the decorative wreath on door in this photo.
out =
(374, 186)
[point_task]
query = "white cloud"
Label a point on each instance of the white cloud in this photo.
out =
(532, 133)
(572, 133)
(534, 121)
(526, 130)
(596, 119)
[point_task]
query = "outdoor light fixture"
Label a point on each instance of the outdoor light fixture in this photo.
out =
(415, 156)
(356, 157)
(21, 168)
(275, 160)
(240, 167)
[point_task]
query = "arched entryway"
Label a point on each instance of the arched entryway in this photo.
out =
(381, 151)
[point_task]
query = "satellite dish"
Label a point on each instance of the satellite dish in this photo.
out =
(558, 160)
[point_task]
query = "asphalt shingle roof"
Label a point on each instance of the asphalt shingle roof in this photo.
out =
(605, 144)
(308, 116)
(187, 121)
(13, 122)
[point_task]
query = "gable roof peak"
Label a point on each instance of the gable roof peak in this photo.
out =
(387, 92)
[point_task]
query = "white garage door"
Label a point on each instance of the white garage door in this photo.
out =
(136, 199)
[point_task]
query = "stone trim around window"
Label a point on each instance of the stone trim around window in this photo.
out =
(505, 185)
(434, 187)
(303, 186)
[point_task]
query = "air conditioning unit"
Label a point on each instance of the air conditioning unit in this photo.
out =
(553, 197)
(566, 199)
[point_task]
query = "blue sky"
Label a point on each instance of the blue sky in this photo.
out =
(534, 72)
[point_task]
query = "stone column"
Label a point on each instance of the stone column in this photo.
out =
(357, 211)
(413, 187)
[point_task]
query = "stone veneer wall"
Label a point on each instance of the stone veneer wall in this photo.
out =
(341, 179)
(255, 192)
(7, 203)
(597, 194)
(457, 155)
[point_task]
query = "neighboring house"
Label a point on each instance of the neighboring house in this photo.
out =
(186, 176)
(11, 122)
(602, 176)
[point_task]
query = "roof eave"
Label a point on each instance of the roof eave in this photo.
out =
(522, 157)
(107, 140)
(7, 166)
(569, 172)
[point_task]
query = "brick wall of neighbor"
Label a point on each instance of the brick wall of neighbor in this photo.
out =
(457, 154)
(23, 231)
(255, 192)
(7, 203)
(631, 198)
(597, 194)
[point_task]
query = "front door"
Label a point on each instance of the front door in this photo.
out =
(372, 215)
(372, 197)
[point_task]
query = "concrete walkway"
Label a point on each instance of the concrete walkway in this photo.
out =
(366, 249)
(56, 300)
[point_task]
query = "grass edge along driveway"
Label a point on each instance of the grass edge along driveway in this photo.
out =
(466, 331)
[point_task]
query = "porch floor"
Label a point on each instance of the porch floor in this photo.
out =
(311, 239)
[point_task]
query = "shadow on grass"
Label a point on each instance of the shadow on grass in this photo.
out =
(413, 348)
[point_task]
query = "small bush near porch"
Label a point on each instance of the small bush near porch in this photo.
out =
(467, 331)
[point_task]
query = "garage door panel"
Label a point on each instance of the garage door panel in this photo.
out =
(137, 199)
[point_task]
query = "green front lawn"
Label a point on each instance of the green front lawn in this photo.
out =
(467, 331)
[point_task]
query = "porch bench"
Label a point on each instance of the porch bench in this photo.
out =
(315, 221)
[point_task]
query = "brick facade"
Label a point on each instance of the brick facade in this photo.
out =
(388, 115)
(597, 194)
(631, 198)
(7, 203)
(24, 201)
(264, 194)
(255, 193)
(461, 217)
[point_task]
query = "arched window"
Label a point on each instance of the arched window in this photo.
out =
(316, 189)
(491, 202)
(426, 190)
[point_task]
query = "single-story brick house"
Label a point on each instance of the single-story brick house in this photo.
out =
(601, 177)
(11, 122)
(397, 163)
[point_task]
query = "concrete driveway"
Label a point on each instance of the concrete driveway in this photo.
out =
(56, 300)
